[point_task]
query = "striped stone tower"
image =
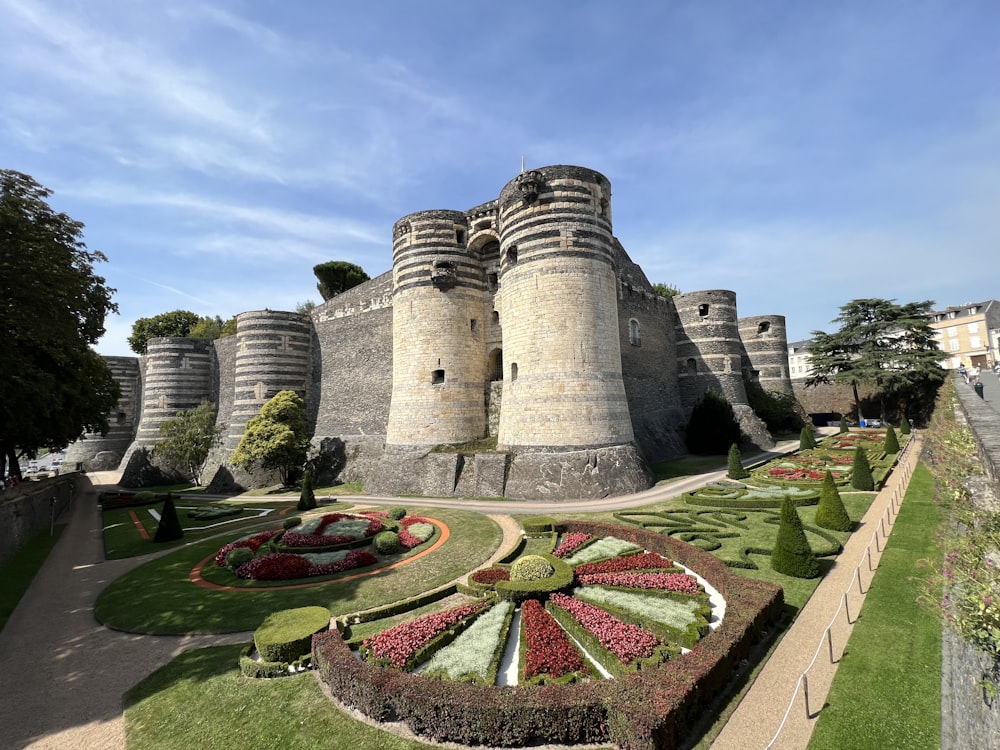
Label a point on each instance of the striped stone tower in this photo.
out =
(272, 354)
(104, 452)
(766, 351)
(562, 385)
(709, 350)
(438, 333)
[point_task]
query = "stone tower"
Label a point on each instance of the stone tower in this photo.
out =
(709, 350)
(438, 333)
(562, 385)
(104, 452)
(766, 351)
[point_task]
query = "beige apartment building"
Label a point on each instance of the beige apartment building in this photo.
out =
(968, 334)
(799, 364)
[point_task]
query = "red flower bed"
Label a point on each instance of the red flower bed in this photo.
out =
(780, 473)
(356, 558)
(679, 582)
(643, 561)
(570, 542)
(318, 539)
(626, 641)
(277, 566)
(548, 648)
(396, 645)
(489, 576)
(407, 539)
(253, 544)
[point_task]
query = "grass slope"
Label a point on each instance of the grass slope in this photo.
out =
(18, 570)
(887, 690)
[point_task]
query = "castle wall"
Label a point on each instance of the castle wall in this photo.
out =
(558, 309)
(104, 452)
(438, 328)
(766, 351)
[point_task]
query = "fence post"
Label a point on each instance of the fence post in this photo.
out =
(805, 691)
(829, 640)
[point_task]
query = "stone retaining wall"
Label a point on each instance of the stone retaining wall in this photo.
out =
(29, 508)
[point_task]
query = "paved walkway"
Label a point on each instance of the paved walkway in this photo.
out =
(64, 675)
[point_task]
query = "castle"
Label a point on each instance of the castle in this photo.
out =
(521, 319)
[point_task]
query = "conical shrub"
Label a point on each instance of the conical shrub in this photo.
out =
(904, 425)
(831, 513)
(891, 444)
(861, 471)
(307, 499)
(736, 470)
(807, 439)
(792, 554)
(843, 425)
(169, 527)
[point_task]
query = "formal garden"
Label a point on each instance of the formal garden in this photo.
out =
(590, 628)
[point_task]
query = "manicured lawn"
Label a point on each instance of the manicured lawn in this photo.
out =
(887, 690)
(159, 599)
(201, 700)
(18, 570)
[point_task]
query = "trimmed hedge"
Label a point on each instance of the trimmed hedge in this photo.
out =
(651, 709)
(537, 525)
(562, 577)
(287, 635)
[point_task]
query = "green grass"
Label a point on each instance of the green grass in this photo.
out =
(687, 466)
(18, 570)
(201, 699)
(887, 690)
(158, 598)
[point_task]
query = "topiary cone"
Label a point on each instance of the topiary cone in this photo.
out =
(736, 470)
(891, 444)
(169, 527)
(792, 554)
(831, 513)
(861, 471)
(904, 425)
(806, 439)
(307, 499)
(843, 425)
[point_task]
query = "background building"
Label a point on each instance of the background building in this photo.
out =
(969, 334)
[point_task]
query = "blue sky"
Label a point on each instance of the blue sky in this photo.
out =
(802, 154)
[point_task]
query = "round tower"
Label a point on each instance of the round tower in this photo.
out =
(438, 332)
(766, 347)
(177, 376)
(99, 452)
(272, 354)
(709, 350)
(562, 385)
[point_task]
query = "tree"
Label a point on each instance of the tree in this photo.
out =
(889, 347)
(807, 439)
(277, 439)
(665, 290)
(189, 438)
(305, 308)
(207, 328)
(861, 471)
(712, 427)
(307, 498)
(53, 386)
(891, 444)
(337, 276)
(736, 470)
(791, 554)
(169, 527)
(831, 513)
(177, 323)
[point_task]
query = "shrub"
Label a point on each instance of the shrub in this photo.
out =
(792, 554)
(287, 635)
(779, 411)
(144, 497)
(712, 427)
(807, 439)
(291, 522)
(307, 499)
(238, 556)
(387, 543)
(535, 525)
(904, 425)
(831, 513)
(861, 471)
(891, 444)
(843, 425)
(397, 512)
(530, 568)
(169, 527)
(736, 470)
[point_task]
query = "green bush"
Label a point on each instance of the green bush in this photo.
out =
(396, 512)
(712, 427)
(560, 577)
(861, 471)
(831, 513)
(387, 543)
(530, 568)
(291, 522)
(843, 425)
(238, 557)
(287, 635)
(807, 439)
(141, 498)
(169, 527)
(779, 411)
(736, 470)
(891, 444)
(792, 554)
(307, 500)
(904, 425)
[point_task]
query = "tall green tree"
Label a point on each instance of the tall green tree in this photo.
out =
(888, 347)
(176, 323)
(665, 290)
(337, 276)
(53, 385)
(277, 439)
(188, 438)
